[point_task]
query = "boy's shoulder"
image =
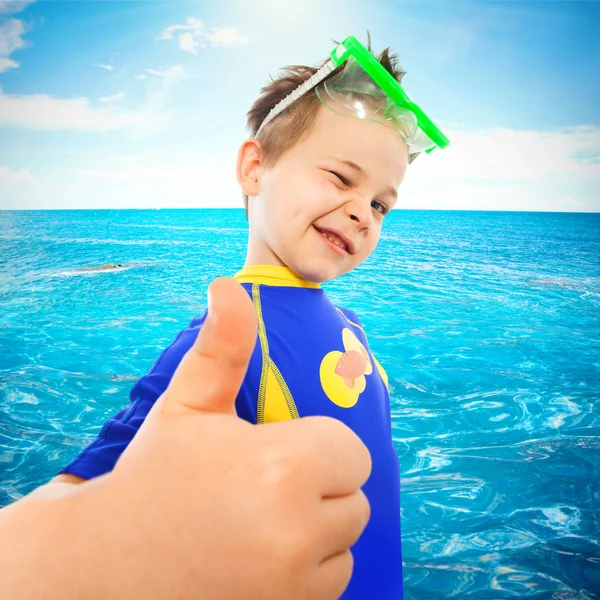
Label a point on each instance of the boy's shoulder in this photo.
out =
(353, 319)
(350, 316)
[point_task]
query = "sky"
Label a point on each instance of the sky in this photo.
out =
(141, 104)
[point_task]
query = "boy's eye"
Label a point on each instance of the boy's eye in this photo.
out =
(341, 178)
(379, 207)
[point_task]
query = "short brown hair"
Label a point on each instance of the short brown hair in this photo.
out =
(297, 120)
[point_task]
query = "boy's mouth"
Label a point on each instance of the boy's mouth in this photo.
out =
(337, 238)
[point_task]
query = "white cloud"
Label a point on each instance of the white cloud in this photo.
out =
(7, 63)
(157, 97)
(113, 98)
(141, 76)
(187, 43)
(194, 34)
(225, 36)
(504, 196)
(190, 24)
(42, 112)
(11, 32)
(8, 176)
(508, 154)
(171, 74)
(176, 177)
(110, 174)
(107, 67)
(160, 73)
(14, 6)
(186, 180)
(38, 111)
(504, 169)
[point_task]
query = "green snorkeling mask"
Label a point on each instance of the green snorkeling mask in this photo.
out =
(364, 89)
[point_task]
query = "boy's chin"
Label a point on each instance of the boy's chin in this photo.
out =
(317, 273)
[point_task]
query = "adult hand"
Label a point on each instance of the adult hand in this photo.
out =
(205, 505)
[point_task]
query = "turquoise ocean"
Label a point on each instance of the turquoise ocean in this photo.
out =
(487, 323)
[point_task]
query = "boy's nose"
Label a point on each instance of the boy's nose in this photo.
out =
(358, 212)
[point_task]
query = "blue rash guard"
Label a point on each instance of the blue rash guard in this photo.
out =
(311, 358)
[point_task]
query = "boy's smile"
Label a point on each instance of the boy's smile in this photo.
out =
(319, 209)
(338, 241)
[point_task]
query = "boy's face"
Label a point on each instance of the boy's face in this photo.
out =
(312, 194)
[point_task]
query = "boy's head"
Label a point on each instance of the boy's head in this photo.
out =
(317, 183)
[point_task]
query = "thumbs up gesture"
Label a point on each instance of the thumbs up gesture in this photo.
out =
(205, 505)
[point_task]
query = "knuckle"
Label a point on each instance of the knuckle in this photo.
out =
(292, 548)
(348, 562)
(283, 545)
(284, 470)
(366, 507)
(346, 567)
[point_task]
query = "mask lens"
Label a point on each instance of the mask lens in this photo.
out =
(421, 142)
(403, 120)
(352, 92)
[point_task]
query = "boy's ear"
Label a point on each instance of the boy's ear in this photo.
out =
(248, 166)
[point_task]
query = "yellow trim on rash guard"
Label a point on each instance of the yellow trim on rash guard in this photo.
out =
(383, 374)
(275, 401)
(264, 346)
(273, 275)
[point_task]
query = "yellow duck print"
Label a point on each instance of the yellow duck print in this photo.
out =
(343, 373)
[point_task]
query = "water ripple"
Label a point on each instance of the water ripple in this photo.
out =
(488, 325)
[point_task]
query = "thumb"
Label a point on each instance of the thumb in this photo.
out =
(211, 372)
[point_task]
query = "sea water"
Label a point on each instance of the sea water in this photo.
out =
(487, 323)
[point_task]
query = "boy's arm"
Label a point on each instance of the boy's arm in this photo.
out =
(102, 454)
(67, 478)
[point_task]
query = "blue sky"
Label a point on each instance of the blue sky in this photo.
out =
(108, 104)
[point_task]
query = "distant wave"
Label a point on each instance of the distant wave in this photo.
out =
(167, 242)
(589, 286)
(91, 270)
(551, 282)
(196, 228)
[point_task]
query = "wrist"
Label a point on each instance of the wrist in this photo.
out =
(48, 547)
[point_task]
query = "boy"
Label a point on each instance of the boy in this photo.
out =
(328, 152)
